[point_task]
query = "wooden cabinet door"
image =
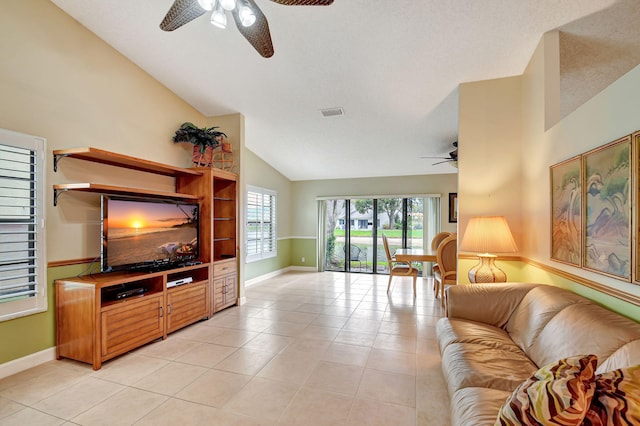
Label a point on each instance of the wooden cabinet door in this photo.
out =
(224, 292)
(218, 293)
(231, 290)
(131, 323)
(185, 305)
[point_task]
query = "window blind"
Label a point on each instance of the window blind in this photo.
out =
(261, 224)
(22, 284)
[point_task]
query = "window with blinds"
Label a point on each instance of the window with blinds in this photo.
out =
(22, 271)
(261, 234)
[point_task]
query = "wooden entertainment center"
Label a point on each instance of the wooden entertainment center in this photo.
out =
(101, 316)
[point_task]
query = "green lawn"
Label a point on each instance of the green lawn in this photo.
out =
(392, 233)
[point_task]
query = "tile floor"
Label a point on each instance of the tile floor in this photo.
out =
(305, 349)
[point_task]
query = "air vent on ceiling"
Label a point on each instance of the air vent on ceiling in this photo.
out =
(332, 112)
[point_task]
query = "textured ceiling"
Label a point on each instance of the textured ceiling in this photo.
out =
(597, 50)
(393, 66)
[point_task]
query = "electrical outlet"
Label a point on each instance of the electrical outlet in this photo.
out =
(302, 259)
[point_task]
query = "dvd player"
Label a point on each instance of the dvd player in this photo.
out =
(129, 293)
(181, 281)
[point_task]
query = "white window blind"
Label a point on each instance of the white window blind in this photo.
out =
(261, 224)
(22, 238)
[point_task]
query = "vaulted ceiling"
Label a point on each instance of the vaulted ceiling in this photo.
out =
(392, 66)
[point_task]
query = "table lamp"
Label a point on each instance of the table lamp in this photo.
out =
(484, 235)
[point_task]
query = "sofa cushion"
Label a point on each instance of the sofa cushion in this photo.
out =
(476, 365)
(557, 394)
(617, 398)
(466, 331)
(476, 406)
(625, 356)
(487, 303)
(538, 306)
(583, 328)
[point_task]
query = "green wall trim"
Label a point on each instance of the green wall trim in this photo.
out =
(34, 333)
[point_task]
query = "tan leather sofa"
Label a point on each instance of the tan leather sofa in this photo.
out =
(497, 335)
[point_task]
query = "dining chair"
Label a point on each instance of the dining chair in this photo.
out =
(398, 268)
(447, 260)
(435, 242)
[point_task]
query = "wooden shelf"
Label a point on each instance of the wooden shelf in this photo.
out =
(116, 190)
(120, 160)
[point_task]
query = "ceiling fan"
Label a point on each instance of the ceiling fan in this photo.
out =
(249, 18)
(452, 158)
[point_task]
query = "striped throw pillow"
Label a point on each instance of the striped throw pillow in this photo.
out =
(616, 401)
(559, 393)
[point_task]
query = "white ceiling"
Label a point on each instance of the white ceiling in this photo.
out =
(394, 66)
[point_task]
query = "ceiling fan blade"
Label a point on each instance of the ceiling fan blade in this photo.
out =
(442, 162)
(257, 34)
(304, 2)
(181, 12)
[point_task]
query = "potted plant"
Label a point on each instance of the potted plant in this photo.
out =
(204, 140)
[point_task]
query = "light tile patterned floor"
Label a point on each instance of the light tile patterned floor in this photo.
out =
(306, 349)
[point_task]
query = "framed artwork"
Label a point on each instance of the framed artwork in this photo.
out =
(606, 195)
(566, 211)
(635, 140)
(453, 207)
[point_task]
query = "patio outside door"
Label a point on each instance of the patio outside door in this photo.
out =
(354, 227)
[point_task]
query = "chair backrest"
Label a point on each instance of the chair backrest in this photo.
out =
(385, 243)
(440, 236)
(447, 254)
(354, 252)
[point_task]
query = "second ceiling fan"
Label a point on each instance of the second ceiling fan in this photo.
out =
(452, 158)
(248, 17)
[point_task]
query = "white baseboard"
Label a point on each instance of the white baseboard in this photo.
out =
(252, 281)
(17, 365)
(303, 268)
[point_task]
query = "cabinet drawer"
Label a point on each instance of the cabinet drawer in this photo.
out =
(130, 324)
(224, 268)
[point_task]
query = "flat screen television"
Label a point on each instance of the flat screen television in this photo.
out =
(148, 234)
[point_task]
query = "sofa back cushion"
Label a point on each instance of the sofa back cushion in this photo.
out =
(491, 304)
(583, 328)
(625, 356)
(534, 312)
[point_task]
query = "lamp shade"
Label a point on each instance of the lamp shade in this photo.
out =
(488, 234)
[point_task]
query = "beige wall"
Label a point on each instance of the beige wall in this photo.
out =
(61, 82)
(490, 143)
(304, 223)
(609, 115)
(504, 123)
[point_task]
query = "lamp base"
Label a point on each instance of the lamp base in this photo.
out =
(486, 271)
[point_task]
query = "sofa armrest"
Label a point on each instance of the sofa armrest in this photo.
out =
(486, 303)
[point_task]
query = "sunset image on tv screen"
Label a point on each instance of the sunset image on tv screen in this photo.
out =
(142, 231)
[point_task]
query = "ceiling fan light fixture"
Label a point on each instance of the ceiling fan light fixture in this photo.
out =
(206, 4)
(247, 16)
(228, 4)
(219, 17)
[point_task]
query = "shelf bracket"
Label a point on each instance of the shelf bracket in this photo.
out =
(56, 194)
(56, 158)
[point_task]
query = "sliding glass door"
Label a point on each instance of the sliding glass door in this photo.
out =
(353, 231)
